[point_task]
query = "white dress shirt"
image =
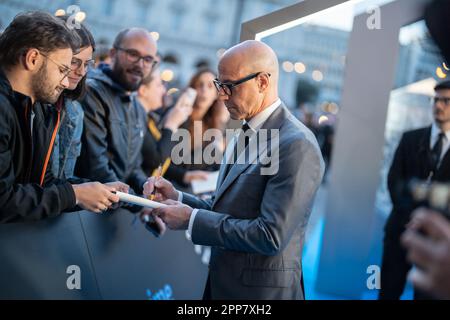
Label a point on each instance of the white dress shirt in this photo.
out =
(435, 131)
(255, 124)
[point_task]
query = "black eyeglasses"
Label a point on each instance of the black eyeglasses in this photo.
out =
(87, 65)
(227, 87)
(445, 101)
(64, 70)
(134, 57)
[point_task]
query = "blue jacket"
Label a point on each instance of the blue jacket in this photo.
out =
(68, 141)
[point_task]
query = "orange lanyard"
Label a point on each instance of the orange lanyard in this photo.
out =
(154, 129)
(50, 149)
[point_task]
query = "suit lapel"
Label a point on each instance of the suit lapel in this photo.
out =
(225, 162)
(445, 162)
(425, 152)
(444, 165)
(224, 182)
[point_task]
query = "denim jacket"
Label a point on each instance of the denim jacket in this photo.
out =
(68, 141)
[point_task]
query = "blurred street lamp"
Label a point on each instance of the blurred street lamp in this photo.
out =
(80, 16)
(155, 35)
(288, 66)
(317, 75)
(300, 68)
(322, 120)
(172, 91)
(167, 75)
(60, 12)
(440, 73)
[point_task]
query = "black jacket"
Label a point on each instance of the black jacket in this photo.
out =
(411, 160)
(22, 158)
(156, 150)
(113, 133)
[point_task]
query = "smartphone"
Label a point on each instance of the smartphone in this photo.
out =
(152, 226)
(188, 97)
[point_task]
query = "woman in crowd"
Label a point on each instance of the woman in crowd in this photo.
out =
(208, 113)
(158, 145)
(68, 140)
(206, 109)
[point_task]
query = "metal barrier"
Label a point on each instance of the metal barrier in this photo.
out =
(87, 256)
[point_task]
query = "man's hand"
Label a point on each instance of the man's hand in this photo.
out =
(119, 186)
(176, 215)
(429, 252)
(94, 196)
(164, 189)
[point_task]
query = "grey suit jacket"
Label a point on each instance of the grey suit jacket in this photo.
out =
(256, 223)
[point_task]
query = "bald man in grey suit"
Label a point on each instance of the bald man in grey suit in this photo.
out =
(257, 219)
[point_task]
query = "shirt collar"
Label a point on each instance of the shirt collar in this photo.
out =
(435, 131)
(258, 120)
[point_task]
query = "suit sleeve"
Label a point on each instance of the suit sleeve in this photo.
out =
(286, 206)
(395, 267)
(197, 203)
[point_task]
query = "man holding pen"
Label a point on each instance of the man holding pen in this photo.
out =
(256, 221)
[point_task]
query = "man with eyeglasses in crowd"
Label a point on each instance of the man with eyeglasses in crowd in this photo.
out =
(35, 54)
(114, 124)
(422, 154)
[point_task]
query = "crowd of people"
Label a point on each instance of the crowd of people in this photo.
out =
(70, 120)
(75, 130)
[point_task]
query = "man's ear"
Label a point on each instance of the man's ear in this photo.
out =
(32, 60)
(263, 82)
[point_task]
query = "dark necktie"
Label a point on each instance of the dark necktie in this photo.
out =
(243, 139)
(436, 152)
